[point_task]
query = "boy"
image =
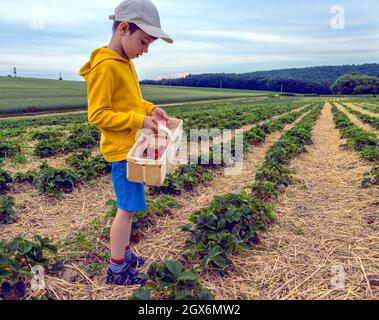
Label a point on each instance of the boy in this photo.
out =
(116, 106)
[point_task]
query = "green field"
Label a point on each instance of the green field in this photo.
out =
(19, 95)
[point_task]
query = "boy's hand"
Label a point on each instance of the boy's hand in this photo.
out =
(160, 115)
(150, 123)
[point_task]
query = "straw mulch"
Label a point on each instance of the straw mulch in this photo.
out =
(325, 220)
(55, 218)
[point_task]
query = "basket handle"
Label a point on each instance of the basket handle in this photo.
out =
(167, 130)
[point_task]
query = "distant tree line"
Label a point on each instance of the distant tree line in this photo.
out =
(316, 80)
(356, 83)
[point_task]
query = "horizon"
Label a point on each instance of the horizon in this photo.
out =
(82, 80)
(51, 37)
(296, 68)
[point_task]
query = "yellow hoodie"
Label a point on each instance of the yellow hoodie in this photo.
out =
(115, 103)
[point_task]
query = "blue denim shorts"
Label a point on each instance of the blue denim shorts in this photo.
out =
(130, 195)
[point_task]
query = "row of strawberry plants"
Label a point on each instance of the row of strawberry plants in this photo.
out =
(233, 222)
(180, 111)
(274, 173)
(49, 180)
(229, 225)
(372, 121)
(370, 107)
(234, 116)
(55, 120)
(367, 143)
(80, 137)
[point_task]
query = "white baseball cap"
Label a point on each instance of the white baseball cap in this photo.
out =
(144, 14)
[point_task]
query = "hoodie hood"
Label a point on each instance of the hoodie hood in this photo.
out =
(97, 57)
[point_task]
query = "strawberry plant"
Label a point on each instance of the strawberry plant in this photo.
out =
(81, 130)
(229, 225)
(81, 137)
(7, 209)
(74, 159)
(74, 143)
(170, 280)
(5, 179)
(29, 176)
(17, 256)
(44, 135)
(371, 178)
(56, 181)
(47, 148)
(88, 168)
(8, 149)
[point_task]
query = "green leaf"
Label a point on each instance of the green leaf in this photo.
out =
(175, 267)
(212, 236)
(188, 276)
(182, 295)
(187, 227)
(141, 294)
(220, 261)
(24, 249)
(166, 284)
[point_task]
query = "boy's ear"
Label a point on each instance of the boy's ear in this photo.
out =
(123, 27)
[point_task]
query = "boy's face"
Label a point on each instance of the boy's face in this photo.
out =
(134, 45)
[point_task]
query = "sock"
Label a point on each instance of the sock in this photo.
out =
(116, 266)
(128, 254)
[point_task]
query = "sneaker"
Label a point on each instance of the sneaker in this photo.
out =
(128, 276)
(136, 262)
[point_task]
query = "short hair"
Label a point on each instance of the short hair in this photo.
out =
(132, 27)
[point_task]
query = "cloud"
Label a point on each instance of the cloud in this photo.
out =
(246, 36)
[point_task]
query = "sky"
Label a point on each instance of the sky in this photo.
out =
(42, 38)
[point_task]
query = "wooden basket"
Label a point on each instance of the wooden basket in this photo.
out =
(153, 172)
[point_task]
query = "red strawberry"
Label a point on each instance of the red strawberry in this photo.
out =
(137, 237)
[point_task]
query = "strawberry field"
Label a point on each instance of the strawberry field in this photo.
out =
(304, 202)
